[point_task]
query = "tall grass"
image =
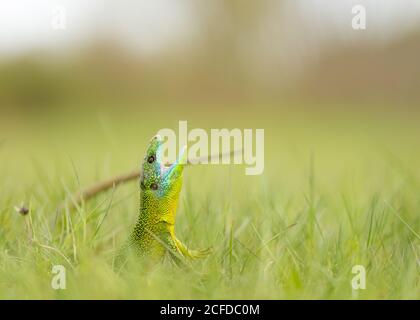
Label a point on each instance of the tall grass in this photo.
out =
(333, 195)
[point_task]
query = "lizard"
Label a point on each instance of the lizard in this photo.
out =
(160, 188)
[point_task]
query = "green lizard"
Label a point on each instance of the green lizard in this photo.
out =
(160, 187)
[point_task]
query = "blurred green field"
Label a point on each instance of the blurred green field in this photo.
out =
(338, 190)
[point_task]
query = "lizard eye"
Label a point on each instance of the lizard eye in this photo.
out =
(151, 159)
(154, 186)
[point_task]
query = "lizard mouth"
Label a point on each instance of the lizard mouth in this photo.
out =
(168, 171)
(174, 170)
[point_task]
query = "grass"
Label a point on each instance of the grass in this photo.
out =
(334, 194)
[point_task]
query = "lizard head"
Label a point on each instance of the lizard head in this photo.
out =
(156, 178)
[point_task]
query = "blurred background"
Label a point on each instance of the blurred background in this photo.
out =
(94, 74)
(85, 84)
(207, 52)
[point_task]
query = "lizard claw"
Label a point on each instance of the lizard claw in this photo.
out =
(192, 254)
(199, 254)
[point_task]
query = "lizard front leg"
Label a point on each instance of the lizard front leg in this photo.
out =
(188, 253)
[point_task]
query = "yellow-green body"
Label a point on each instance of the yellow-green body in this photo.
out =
(154, 233)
